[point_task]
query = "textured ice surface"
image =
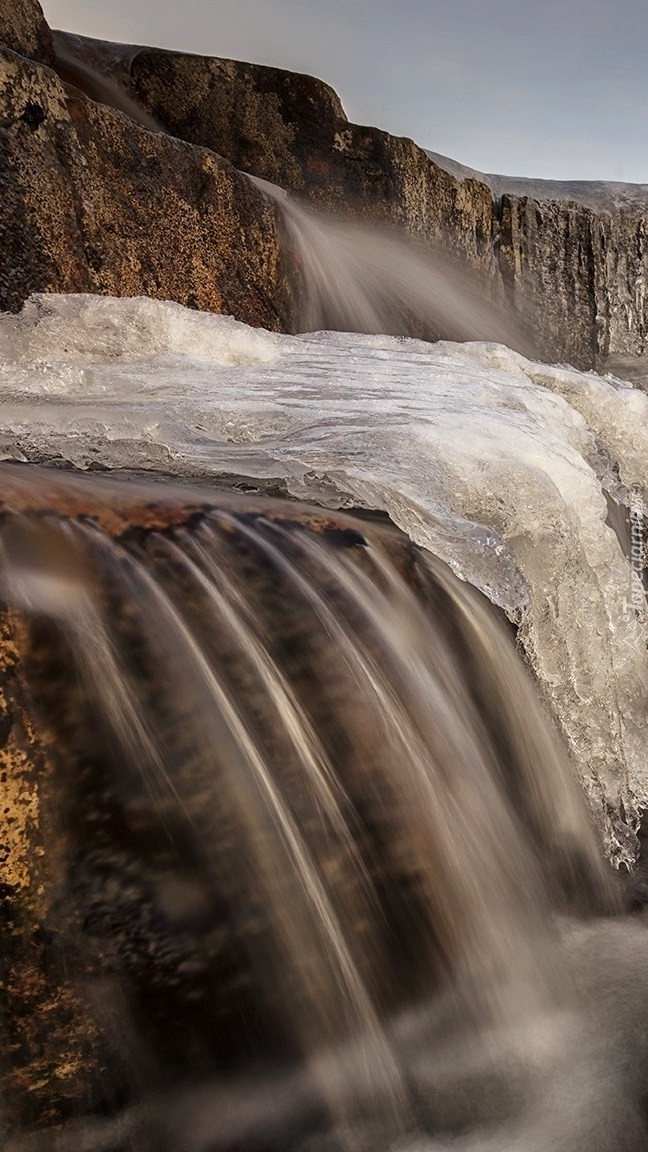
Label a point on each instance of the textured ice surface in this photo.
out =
(83, 329)
(498, 464)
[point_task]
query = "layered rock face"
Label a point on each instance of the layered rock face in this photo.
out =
(582, 273)
(93, 203)
(575, 272)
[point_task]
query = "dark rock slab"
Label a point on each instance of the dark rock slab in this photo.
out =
(583, 273)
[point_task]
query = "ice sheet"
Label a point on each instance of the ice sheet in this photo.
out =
(498, 464)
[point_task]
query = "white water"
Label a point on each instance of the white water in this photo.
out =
(497, 464)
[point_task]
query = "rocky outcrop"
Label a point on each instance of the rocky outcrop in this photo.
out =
(580, 273)
(291, 130)
(24, 29)
(93, 203)
(574, 272)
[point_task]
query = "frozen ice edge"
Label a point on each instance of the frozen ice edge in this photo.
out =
(498, 464)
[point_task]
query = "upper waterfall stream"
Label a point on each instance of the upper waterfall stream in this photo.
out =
(299, 853)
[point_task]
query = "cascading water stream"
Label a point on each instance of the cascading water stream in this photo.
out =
(306, 868)
(301, 786)
(352, 275)
(74, 70)
(355, 276)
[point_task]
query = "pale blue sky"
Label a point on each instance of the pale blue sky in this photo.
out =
(557, 89)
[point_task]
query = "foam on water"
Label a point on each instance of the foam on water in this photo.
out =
(496, 463)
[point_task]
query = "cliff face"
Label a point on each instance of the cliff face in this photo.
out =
(574, 271)
(580, 273)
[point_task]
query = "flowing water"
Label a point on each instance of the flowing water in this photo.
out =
(311, 868)
(73, 69)
(359, 277)
(312, 831)
(511, 471)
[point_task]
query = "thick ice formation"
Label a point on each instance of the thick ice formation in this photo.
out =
(498, 464)
(83, 329)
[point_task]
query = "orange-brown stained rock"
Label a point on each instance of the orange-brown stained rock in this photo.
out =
(20, 757)
(48, 1055)
(93, 203)
(118, 507)
(23, 28)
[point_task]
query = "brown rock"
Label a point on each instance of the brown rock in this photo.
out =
(23, 28)
(48, 1060)
(291, 129)
(576, 273)
(92, 203)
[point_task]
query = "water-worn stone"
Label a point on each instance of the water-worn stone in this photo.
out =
(93, 203)
(577, 273)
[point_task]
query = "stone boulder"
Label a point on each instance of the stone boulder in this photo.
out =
(93, 203)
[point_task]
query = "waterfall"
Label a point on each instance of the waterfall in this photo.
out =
(300, 788)
(352, 275)
(355, 276)
(294, 856)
